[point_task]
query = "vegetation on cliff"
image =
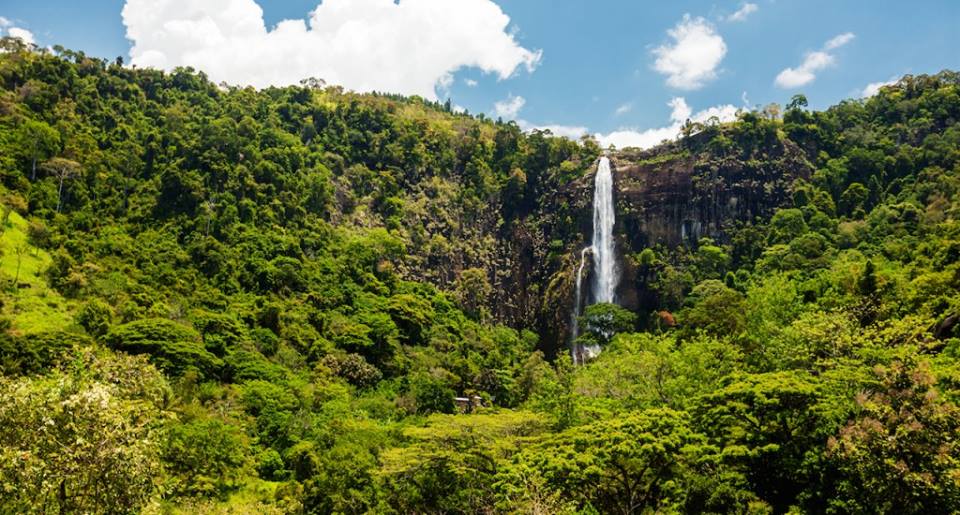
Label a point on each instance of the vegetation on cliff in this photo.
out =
(222, 299)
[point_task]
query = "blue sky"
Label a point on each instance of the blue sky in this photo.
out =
(625, 69)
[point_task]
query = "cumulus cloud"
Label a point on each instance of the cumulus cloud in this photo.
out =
(692, 59)
(813, 62)
(743, 12)
(510, 107)
(23, 34)
(8, 29)
(874, 87)
(470, 83)
(680, 113)
(568, 131)
(623, 109)
(806, 72)
(408, 47)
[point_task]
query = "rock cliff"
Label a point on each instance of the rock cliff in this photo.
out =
(670, 196)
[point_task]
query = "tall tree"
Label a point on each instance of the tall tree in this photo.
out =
(39, 141)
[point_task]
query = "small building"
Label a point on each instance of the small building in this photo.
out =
(468, 404)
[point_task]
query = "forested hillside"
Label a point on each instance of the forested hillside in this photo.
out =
(306, 300)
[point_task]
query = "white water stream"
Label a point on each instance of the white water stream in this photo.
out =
(602, 249)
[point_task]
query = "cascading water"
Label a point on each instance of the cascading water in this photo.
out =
(606, 274)
(575, 322)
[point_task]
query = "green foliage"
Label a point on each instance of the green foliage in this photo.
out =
(453, 461)
(319, 274)
(204, 457)
(715, 308)
(35, 353)
(432, 395)
(633, 463)
(766, 425)
(172, 347)
(95, 317)
(786, 225)
(642, 371)
(83, 439)
(600, 322)
(899, 454)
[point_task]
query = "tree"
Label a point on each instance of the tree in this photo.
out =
(769, 427)
(172, 347)
(473, 291)
(853, 199)
(601, 321)
(432, 395)
(786, 225)
(635, 463)
(205, 457)
(39, 141)
(452, 461)
(95, 316)
(715, 308)
(900, 453)
(798, 101)
(20, 250)
(712, 261)
(63, 169)
(555, 393)
(82, 441)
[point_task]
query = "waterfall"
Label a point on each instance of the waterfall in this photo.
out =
(606, 274)
(575, 323)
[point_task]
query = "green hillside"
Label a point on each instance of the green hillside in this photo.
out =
(308, 300)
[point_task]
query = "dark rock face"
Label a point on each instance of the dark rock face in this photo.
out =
(679, 200)
(669, 196)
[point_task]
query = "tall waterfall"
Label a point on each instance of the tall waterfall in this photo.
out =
(602, 249)
(605, 275)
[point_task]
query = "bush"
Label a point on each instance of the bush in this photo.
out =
(432, 395)
(95, 316)
(205, 457)
(172, 347)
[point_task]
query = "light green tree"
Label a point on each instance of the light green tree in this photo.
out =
(83, 440)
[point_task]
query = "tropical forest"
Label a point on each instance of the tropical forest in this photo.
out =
(294, 299)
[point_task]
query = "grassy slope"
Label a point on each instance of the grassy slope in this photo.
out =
(33, 306)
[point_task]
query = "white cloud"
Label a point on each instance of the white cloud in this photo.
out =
(680, 113)
(812, 63)
(568, 131)
(406, 47)
(623, 109)
(4, 22)
(23, 34)
(510, 107)
(839, 41)
(743, 12)
(692, 60)
(874, 87)
(806, 72)
(470, 82)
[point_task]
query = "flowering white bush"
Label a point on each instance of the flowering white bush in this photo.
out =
(83, 440)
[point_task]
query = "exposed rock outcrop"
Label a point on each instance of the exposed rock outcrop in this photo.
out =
(671, 196)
